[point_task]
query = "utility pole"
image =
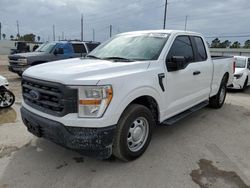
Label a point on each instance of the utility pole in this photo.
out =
(82, 28)
(0, 30)
(17, 24)
(54, 35)
(165, 14)
(110, 31)
(186, 23)
(93, 35)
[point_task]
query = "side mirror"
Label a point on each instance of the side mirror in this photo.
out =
(177, 63)
(59, 51)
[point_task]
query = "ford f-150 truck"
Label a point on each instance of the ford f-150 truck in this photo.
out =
(108, 102)
(47, 52)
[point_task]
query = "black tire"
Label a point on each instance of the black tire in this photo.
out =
(20, 74)
(130, 116)
(245, 84)
(218, 100)
(10, 103)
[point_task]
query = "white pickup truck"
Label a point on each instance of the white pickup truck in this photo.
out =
(108, 102)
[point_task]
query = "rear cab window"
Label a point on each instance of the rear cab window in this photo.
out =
(201, 50)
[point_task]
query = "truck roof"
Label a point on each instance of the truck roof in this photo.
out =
(161, 31)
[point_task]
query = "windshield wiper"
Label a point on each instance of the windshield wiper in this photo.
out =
(119, 58)
(92, 56)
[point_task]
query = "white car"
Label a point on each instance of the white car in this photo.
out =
(108, 102)
(242, 73)
(7, 98)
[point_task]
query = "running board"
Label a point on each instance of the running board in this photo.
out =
(184, 114)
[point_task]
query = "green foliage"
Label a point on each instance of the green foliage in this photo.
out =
(215, 43)
(236, 44)
(225, 44)
(247, 44)
(28, 37)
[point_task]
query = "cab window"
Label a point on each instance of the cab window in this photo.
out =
(201, 50)
(181, 47)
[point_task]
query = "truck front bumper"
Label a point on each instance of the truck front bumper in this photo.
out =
(93, 142)
(17, 68)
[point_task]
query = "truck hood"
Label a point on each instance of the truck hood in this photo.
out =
(79, 71)
(239, 70)
(28, 54)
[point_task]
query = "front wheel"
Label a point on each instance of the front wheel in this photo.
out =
(7, 98)
(218, 100)
(134, 131)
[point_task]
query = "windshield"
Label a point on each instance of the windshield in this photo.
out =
(46, 47)
(132, 47)
(240, 63)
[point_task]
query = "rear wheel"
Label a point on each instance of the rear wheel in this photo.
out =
(218, 100)
(7, 98)
(134, 131)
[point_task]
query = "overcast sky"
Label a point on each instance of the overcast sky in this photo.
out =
(210, 17)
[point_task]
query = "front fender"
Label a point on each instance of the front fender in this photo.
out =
(129, 97)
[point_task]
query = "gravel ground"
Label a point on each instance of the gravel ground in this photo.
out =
(210, 148)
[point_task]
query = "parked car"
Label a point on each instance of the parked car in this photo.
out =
(242, 73)
(7, 98)
(109, 102)
(49, 52)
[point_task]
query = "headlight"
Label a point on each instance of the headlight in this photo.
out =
(94, 100)
(22, 61)
(238, 76)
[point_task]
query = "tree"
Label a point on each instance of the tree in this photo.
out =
(247, 44)
(3, 35)
(38, 38)
(236, 44)
(28, 37)
(225, 44)
(215, 43)
(11, 37)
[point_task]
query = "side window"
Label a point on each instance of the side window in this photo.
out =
(67, 49)
(201, 50)
(60, 45)
(79, 48)
(181, 47)
(248, 65)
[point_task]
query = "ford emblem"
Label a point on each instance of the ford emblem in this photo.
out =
(34, 94)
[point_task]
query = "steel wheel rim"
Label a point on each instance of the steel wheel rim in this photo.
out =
(222, 94)
(138, 134)
(6, 99)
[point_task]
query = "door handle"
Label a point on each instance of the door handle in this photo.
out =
(196, 73)
(160, 79)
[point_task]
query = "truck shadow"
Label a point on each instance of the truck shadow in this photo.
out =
(41, 163)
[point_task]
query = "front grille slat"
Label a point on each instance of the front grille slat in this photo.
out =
(52, 98)
(42, 90)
